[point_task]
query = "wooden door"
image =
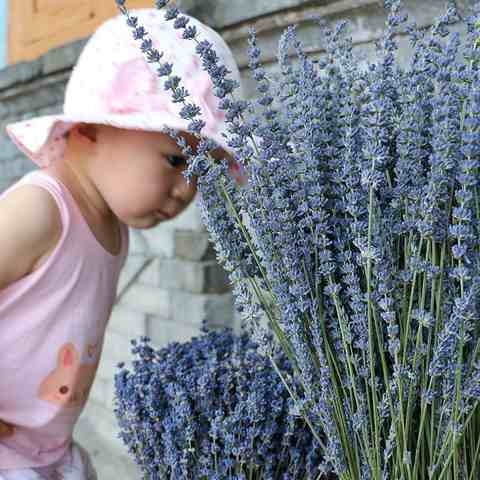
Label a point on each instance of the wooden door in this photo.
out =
(36, 26)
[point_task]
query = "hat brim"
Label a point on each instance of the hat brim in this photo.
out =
(42, 139)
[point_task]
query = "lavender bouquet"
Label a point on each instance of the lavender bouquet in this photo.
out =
(212, 408)
(356, 238)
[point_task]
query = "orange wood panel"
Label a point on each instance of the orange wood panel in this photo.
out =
(36, 26)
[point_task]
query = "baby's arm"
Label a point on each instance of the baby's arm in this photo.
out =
(30, 224)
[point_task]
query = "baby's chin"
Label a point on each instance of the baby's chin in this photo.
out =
(144, 223)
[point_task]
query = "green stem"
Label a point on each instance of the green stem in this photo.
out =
(458, 439)
(419, 338)
(475, 461)
(376, 470)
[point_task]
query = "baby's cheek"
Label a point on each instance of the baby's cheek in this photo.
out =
(133, 203)
(139, 196)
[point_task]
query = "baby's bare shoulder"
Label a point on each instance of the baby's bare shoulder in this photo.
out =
(30, 224)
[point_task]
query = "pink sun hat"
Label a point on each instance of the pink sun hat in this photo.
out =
(113, 84)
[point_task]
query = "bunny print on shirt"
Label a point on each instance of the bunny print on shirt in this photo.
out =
(68, 385)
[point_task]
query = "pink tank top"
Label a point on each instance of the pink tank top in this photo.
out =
(52, 325)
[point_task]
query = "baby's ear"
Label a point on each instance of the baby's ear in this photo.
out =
(68, 356)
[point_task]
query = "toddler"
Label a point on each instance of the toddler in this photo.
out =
(107, 163)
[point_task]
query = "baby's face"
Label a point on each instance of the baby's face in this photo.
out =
(140, 176)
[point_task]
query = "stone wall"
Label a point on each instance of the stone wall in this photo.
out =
(171, 280)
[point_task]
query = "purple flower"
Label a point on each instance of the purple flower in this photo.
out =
(211, 407)
(354, 243)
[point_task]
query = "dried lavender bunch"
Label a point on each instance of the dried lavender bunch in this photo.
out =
(357, 238)
(211, 408)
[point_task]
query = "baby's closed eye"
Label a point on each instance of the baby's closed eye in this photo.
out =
(176, 161)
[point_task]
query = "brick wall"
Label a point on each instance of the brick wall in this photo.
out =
(171, 280)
